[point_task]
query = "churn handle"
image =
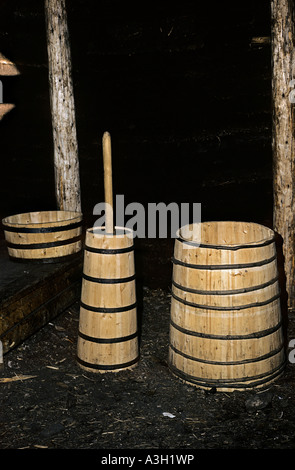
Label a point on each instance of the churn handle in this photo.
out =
(108, 185)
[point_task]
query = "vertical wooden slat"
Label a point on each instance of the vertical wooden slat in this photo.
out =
(66, 162)
(283, 142)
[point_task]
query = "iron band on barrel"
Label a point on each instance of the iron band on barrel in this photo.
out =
(225, 292)
(109, 251)
(257, 334)
(224, 266)
(38, 246)
(108, 340)
(230, 308)
(238, 383)
(229, 363)
(60, 228)
(105, 367)
(120, 280)
(108, 309)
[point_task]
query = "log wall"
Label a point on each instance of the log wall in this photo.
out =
(184, 90)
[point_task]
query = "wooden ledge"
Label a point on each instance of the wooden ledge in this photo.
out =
(31, 295)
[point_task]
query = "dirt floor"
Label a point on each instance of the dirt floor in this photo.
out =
(63, 407)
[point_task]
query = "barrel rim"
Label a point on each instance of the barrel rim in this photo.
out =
(234, 246)
(70, 216)
(101, 230)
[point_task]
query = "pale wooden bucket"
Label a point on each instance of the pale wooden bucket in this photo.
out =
(108, 335)
(226, 325)
(46, 236)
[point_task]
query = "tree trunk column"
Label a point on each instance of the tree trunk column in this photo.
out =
(283, 140)
(66, 162)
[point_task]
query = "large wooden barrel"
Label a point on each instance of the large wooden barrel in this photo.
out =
(108, 335)
(46, 236)
(226, 325)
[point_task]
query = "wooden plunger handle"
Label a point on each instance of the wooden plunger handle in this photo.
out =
(108, 184)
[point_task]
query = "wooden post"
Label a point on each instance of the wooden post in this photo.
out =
(66, 162)
(283, 138)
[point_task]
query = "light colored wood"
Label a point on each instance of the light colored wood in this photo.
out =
(108, 340)
(7, 67)
(283, 134)
(66, 160)
(24, 233)
(226, 318)
(108, 183)
(5, 108)
(225, 234)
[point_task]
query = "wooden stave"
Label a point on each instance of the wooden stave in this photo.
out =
(220, 300)
(124, 347)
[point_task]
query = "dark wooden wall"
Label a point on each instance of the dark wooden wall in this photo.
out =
(184, 90)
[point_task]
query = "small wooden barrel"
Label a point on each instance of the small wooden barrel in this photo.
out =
(48, 236)
(108, 337)
(226, 325)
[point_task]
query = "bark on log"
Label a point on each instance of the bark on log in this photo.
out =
(283, 137)
(66, 161)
